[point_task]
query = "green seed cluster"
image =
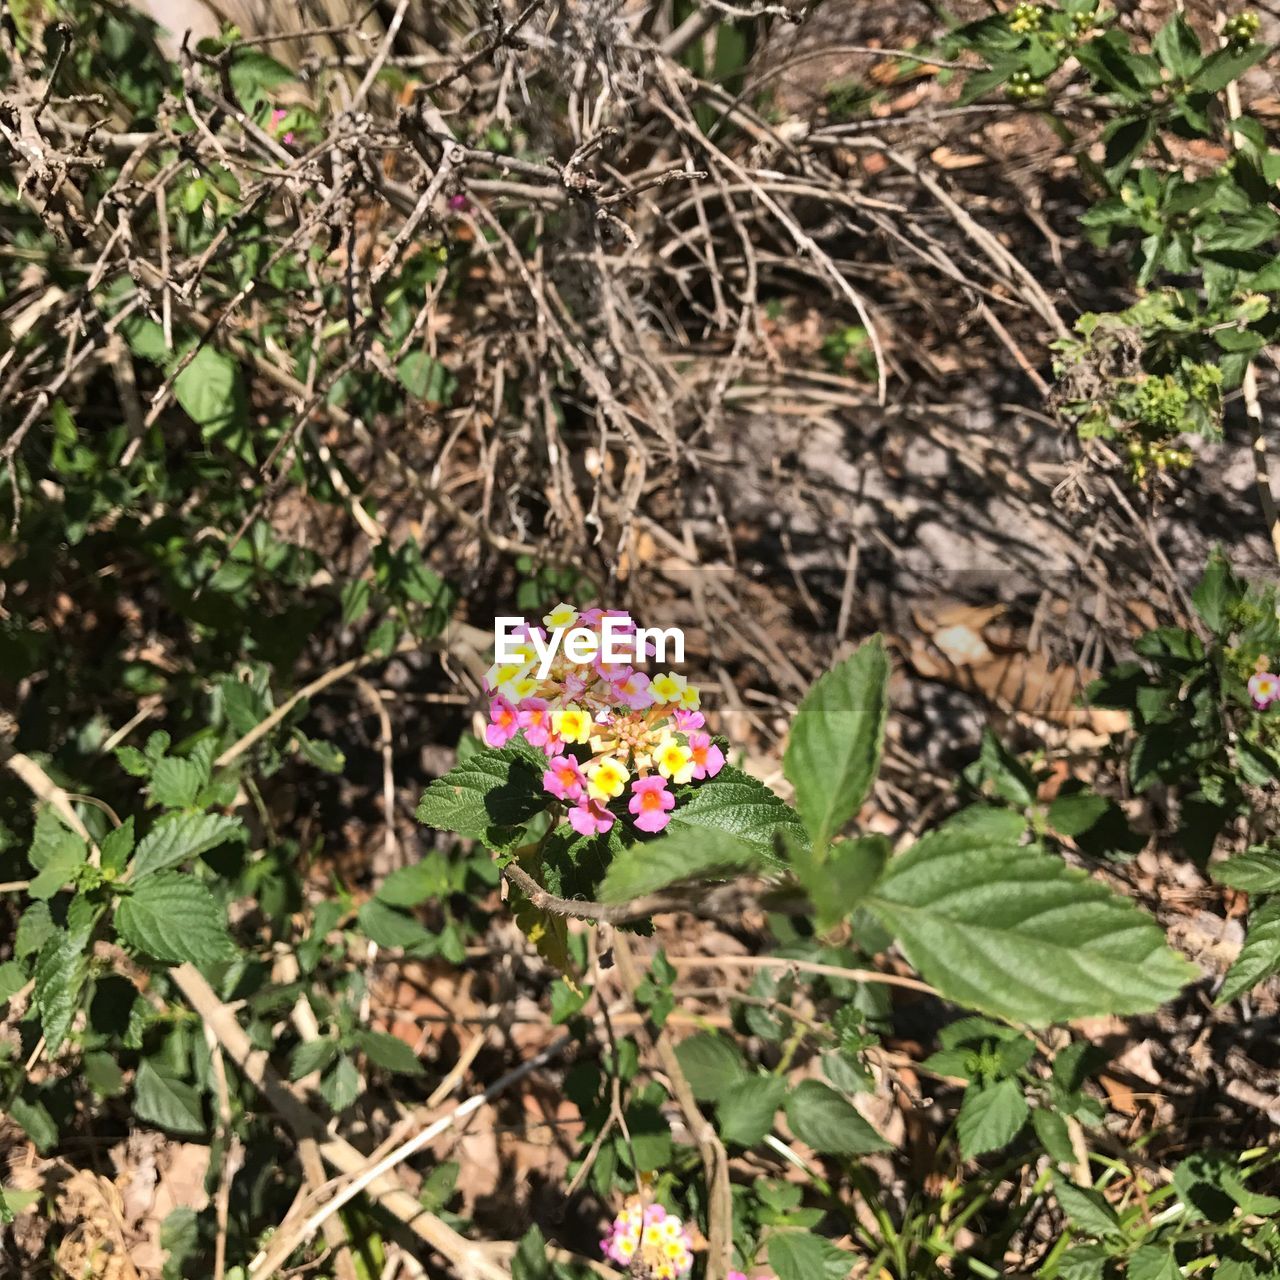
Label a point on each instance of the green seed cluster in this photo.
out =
(1026, 18)
(1242, 28)
(1023, 85)
(1146, 456)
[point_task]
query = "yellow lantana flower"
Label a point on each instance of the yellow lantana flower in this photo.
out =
(607, 778)
(674, 760)
(571, 723)
(669, 687)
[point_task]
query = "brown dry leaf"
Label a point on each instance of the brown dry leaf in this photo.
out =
(95, 1246)
(1120, 1094)
(965, 647)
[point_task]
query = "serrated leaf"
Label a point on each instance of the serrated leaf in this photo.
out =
(103, 1074)
(1220, 68)
(739, 805)
(1259, 958)
(34, 926)
(63, 862)
(1087, 1209)
(132, 761)
(179, 837)
(746, 1109)
(683, 855)
(391, 928)
(833, 750)
(174, 917)
(1257, 870)
(389, 1052)
(1156, 1262)
(312, 1055)
(1015, 932)
(34, 1118)
(489, 789)
(1055, 1137)
(175, 783)
(838, 882)
(166, 1102)
(1178, 47)
(61, 969)
(711, 1063)
(342, 1085)
(990, 1117)
(800, 1255)
(116, 846)
(820, 1117)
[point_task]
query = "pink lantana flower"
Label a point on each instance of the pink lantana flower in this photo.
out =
(535, 720)
(686, 720)
(1264, 689)
(651, 803)
(708, 759)
(564, 779)
(633, 689)
(504, 722)
(590, 818)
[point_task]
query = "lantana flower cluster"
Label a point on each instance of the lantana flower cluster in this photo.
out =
(660, 1238)
(612, 733)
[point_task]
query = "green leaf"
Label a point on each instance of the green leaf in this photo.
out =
(531, 1261)
(488, 789)
(389, 1052)
(833, 751)
(1156, 1262)
(745, 1110)
(1259, 958)
(181, 836)
(820, 1117)
(211, 391)
(391, 928)
(1015, 932)
(34, 926)
(61, 969)
(174, 917)
(116, 846)
(800, 1255)
(13, 977)
(567, 1001)
(426, 378)
(420, 882)
(1055, 1137)
(990, 1117)
(683, 855)
(51, 840)
(161, 1099)
(35, 1120)
(64, 860)
(341, 1086)
(103, 1074)
(711, 1063)
(132, 761)
(312, 1055)
(175, 783)
(1087, 1209)
(838, 883)
(1257, 870)
(1221, 68)
(1178, 47)
(739, 805)
(254, 74)
(650, 1137)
